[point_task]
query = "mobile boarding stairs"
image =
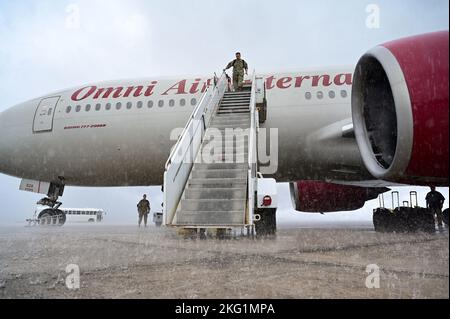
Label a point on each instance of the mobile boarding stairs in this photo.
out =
(211, 178)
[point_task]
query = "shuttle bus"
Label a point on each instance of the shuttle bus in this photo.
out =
(83, 215)
(71, 215)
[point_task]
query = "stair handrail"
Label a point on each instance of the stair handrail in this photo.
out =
(187, 146)
(252, 152)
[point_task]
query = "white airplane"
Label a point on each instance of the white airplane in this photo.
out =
(343, 132)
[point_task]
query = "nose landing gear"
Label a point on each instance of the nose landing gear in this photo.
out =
(52, 216)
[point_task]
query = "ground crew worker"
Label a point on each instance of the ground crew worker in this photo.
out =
(239, 67)
(143, 210)
(435, 201)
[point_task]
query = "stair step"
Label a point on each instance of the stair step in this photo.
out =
(226, 94)
(216, 193)
(213, 218)
(225, 158)
(234, 102)
(226, 120)
(243, 116)
(229, 154)
(208, 205)
(225, 147)
(232, 126)
(236, 97)
(241, 96)
(233, 106)
(219, 173)
(216, 182)
(231, 131)
(240, 111)
(213, 166)
(226, 102)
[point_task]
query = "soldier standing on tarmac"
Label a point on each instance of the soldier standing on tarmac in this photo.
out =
(143, 210)
(435, 201)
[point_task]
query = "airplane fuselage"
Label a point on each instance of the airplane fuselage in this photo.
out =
(118, 133)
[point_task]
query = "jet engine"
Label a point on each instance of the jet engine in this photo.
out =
(400, 110)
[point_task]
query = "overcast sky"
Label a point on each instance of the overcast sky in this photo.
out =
(49, 45)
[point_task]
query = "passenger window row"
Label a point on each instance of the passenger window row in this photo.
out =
(128, 105)
(331, 94)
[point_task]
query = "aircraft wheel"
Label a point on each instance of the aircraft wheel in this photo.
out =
(45, 217)
(51, 217)
(60, 217)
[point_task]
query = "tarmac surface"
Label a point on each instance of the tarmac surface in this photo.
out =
(117, 261)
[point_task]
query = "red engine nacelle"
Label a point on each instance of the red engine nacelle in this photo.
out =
(400, 110)
(316, 196)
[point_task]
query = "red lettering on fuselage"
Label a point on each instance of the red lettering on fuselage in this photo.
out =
(137, 91)
(284, 83)
(343, 78)
(104, 93)
(83, 93)
(150, 88)
(194, 87)
(299, 80)
(180, 87)
(325, 80)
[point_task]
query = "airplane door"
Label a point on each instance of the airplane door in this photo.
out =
(43, 118)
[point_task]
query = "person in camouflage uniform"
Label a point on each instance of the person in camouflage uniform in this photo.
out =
(435, 202)
(143, 210)
(239, 68)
